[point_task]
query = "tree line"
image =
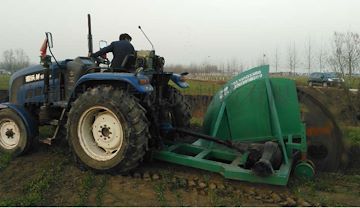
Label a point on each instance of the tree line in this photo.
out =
(14, 59)
(342, 56)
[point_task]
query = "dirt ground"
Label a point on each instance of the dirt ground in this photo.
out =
(48, 176)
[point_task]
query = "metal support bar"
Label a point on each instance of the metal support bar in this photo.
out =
(226, 143)
(275, 119)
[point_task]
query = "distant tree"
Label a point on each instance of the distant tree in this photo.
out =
(309, 57)
(292, 58)
(345, 54)
(321, 58)
(14, 60)
(345, 59)
(276, 60)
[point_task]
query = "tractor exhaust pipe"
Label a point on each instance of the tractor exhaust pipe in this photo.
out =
(90, 41)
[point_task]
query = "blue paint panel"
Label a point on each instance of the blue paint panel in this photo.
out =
(29, 121)
(122, 77)
(176, 79)
(33, 86)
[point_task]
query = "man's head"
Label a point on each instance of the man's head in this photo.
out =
(125, 36)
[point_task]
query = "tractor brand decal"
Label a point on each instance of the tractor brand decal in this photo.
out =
(34, 77)
(240, 82)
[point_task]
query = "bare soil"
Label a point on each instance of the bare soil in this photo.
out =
(49, 177)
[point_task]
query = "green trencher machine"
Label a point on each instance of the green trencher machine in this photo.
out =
(252, 131)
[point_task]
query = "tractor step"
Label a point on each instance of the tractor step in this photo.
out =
(47, 141)
(54, 122)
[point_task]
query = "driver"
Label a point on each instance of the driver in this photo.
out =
(120, 50)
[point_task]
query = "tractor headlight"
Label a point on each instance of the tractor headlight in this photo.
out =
(182, 78)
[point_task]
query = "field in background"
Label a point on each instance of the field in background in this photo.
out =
(4, 82)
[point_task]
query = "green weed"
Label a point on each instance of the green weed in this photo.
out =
(4, 82)
(207, 178)
(159, 189)
(198, 87)
(101, 190)
(87, 185)
(215, 199)
(4, 160)
(352, 134)
(179, 199)
(196, 121)
(34, 191)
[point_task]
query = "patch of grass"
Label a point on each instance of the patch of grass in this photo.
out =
(196, 121)
(319, 190)
(179, 199)
(207, 178)
(353, 82)
(4, 82)
(159, 189)
(216, 200)
(199, 87)
(34, 191)
(101, 190)
(87, 185)
(4, 160)
(300, 80)
(352, 134)
(235, 200)
(46, 131)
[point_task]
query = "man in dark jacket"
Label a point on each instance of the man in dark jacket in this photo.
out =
(120, 50)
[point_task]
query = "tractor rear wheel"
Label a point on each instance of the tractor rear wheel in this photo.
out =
(14, 138)
(180, 111)
(107, 130)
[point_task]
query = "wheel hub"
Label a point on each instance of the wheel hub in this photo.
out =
(9, 134)
(105, 131)
(105, 136)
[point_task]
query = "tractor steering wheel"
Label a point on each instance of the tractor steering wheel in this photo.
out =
(100, 60)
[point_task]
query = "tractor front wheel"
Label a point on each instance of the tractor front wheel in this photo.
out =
(14, 138)
(107, 130)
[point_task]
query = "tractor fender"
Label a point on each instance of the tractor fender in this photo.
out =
(129, 78)
(29, 121)
(176, 78)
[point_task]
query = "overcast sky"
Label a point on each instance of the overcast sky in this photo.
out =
(184, 32)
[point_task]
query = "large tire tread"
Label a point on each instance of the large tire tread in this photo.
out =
(181, 109)
(137, 134)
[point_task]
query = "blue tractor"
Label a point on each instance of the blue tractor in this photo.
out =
(110, 117)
